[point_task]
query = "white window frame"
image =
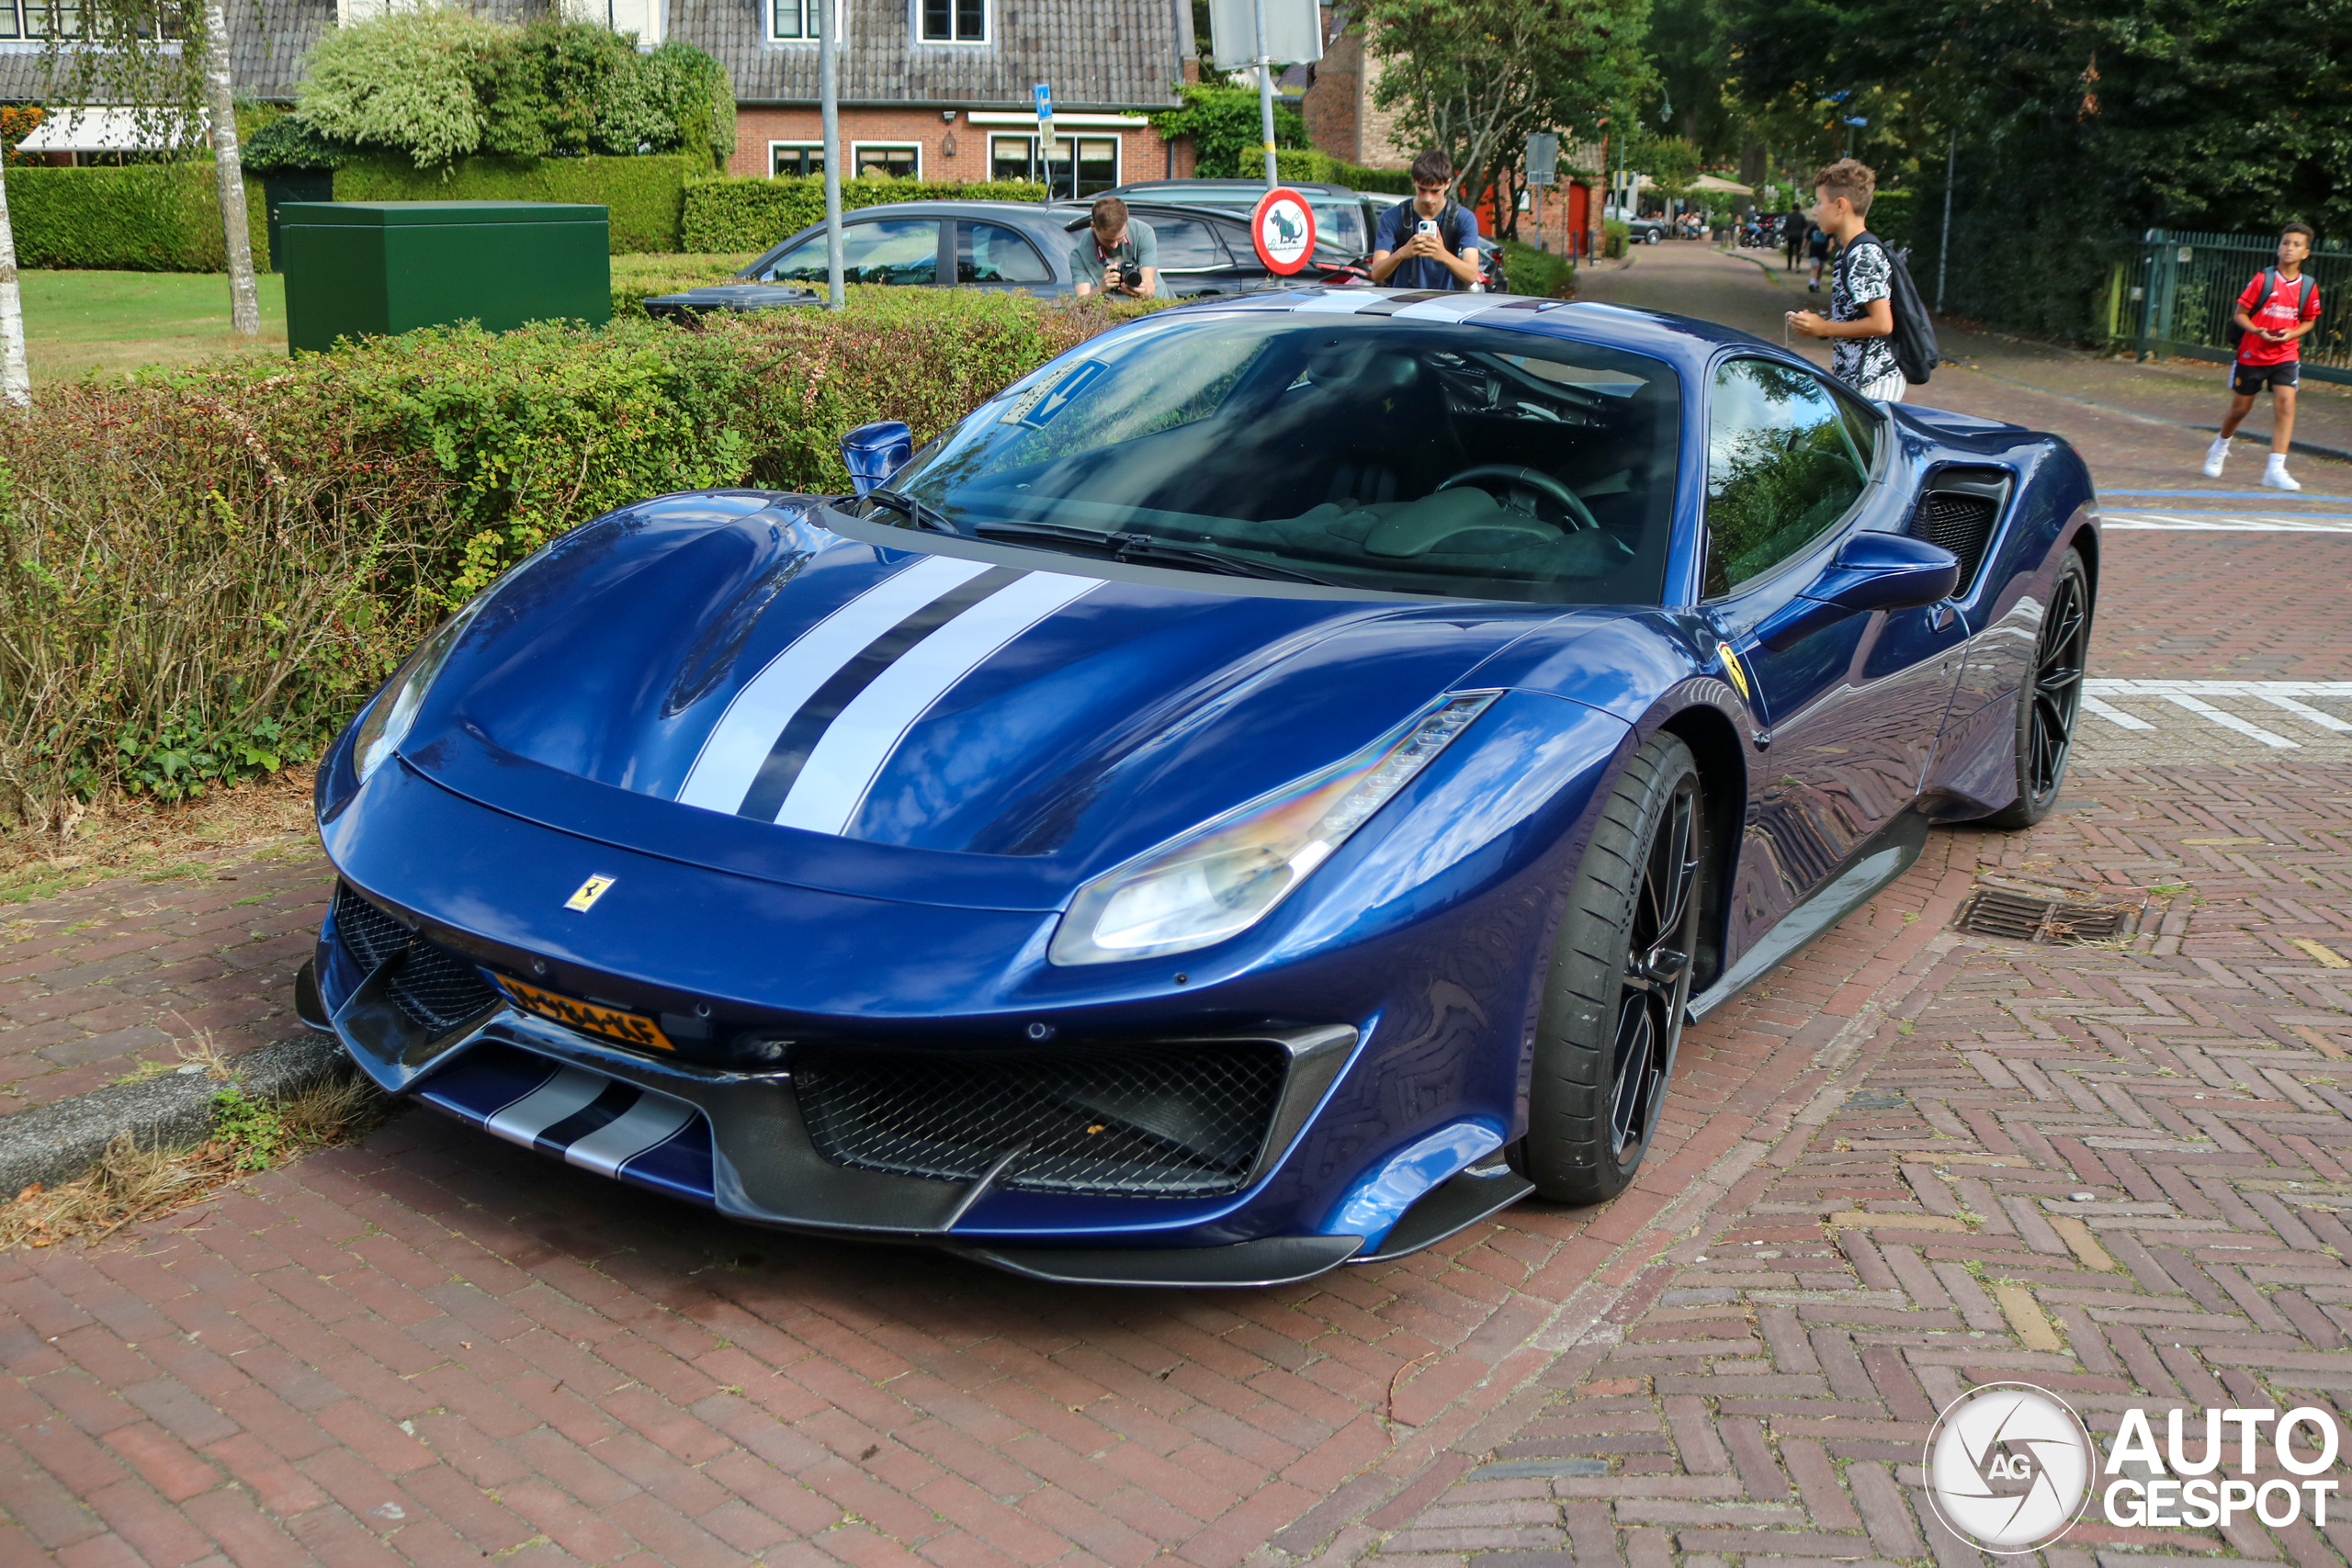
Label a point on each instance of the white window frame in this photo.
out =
(775, 147)
(808, 19)
(988, 27)
(857, 150)
(1036, 164)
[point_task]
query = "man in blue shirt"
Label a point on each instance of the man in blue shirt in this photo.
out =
(1444, 254)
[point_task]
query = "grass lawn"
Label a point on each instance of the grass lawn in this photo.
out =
(79, 322)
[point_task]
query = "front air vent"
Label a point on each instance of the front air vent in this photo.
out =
(437, 989)
(1959, 512)
(1174, 1121)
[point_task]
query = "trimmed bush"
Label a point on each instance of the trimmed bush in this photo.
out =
(1895, 218)
(753, 214)
(203, 573)
(1304, 163)
(637, 278)
(141, 218)
(1545, 273)
(646, 196)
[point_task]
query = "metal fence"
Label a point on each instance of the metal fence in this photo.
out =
(2177, 295)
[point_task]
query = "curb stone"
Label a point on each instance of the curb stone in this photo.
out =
(60, 1142)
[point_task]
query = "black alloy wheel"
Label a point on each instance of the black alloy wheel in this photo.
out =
(2051, 700)
(1619, 979)
(1657, 977)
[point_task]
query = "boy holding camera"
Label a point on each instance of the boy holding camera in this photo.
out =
(1430, 242)
(1117, 254)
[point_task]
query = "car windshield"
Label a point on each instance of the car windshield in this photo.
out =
(1397, 456)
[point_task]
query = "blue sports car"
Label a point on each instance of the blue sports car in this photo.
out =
(1262, 792)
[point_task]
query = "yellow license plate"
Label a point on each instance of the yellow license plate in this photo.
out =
(589, 1018)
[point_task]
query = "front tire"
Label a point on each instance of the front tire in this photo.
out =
(2051, 700)
(1620, 976)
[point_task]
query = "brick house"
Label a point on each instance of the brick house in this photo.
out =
(936, 89)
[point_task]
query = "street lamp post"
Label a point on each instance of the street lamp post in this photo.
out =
(1266, 97)
(829, 105)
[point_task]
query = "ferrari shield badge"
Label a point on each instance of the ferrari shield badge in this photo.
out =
(590, 891)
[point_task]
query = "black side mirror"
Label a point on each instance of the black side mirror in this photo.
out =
(1872, 572)
(873, 452)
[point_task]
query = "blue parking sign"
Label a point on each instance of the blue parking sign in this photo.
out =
(1044, 100)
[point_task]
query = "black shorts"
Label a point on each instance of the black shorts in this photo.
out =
(1821, 249)
(2247, 379)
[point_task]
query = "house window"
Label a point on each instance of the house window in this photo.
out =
(1015, 158)
(806, 159)
(886, 161)
(955, 21)
(790, 21)
(44, 18)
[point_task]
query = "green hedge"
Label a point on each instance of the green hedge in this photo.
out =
(1895, 218)
(203, 572)
(1547, 274)
(1303, 164)
(753, 214)
(645, 196)
(142, 218)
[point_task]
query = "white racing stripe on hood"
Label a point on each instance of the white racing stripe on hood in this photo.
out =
(832, 784)
(739, 743)
(1454, 308)
(1341, 303)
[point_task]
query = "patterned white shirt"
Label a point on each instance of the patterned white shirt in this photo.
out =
(1863, 274)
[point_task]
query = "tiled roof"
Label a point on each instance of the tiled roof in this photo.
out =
(1096, 53)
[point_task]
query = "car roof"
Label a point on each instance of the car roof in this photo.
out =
(1040, 221)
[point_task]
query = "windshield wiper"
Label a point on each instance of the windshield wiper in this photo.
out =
(922, 514)
(1144, 547)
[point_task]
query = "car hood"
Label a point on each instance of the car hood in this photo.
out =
(726, 667)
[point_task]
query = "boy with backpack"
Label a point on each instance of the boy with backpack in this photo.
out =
(1861, 323)
(1429, 240)
(2273, 313)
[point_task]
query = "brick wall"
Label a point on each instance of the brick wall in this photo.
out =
(950, 151)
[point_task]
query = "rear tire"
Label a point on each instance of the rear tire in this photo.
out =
(1613, 997)
(2050, 701)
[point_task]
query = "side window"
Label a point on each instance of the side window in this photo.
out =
(991, 252)
(1783, 467)
(900, 250)
(1186, 245)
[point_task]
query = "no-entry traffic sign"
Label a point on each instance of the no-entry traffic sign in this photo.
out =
(1282, 228)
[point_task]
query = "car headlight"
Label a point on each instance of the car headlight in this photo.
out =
(386, 723)
(1223, 876)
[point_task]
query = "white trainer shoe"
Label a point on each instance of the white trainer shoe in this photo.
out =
(2276, 476)
(2214, 455)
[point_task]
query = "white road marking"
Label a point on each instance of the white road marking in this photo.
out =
(2196, 699)
(2221, 522)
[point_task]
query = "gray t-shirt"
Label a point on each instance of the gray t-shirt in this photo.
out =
(1088, 258)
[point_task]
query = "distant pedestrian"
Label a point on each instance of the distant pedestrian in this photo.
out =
(1816, 244)
(2274, 312)
(1861, 322)
(1793, 228)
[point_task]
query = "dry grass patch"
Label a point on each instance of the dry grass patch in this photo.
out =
(132, 1183)
(138, 835)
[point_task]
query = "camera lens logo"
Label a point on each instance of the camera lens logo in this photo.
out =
(2009, 1467)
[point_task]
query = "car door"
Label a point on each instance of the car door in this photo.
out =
(1192, 259)
(901, 251)
(1795, 467)
(1000, 260)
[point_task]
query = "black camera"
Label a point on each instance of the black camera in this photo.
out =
(1131, 277)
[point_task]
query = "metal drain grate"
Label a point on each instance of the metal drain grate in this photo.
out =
(2037, 916)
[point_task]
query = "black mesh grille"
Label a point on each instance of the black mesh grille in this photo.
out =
(1179, 1120)
(434, 986)
(1960, 524)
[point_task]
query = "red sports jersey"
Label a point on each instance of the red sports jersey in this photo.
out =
(2277, 312)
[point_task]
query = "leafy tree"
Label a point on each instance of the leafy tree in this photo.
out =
(1671, 164)
(1227, 133)
(1476, 77)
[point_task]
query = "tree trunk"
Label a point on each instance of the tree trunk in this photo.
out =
(15, 385)
(245, 297)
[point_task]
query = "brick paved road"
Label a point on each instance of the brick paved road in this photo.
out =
(435, 1348)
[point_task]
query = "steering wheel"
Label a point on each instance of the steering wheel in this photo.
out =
(1531, 478)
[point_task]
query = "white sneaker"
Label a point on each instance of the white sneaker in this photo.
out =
(2214, 454)
(2276, 476)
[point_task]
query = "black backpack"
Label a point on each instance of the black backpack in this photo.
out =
(2235, 333)
(1915, 354)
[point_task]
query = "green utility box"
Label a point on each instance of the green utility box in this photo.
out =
(371, 268)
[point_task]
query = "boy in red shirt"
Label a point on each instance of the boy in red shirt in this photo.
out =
(2275, 311)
